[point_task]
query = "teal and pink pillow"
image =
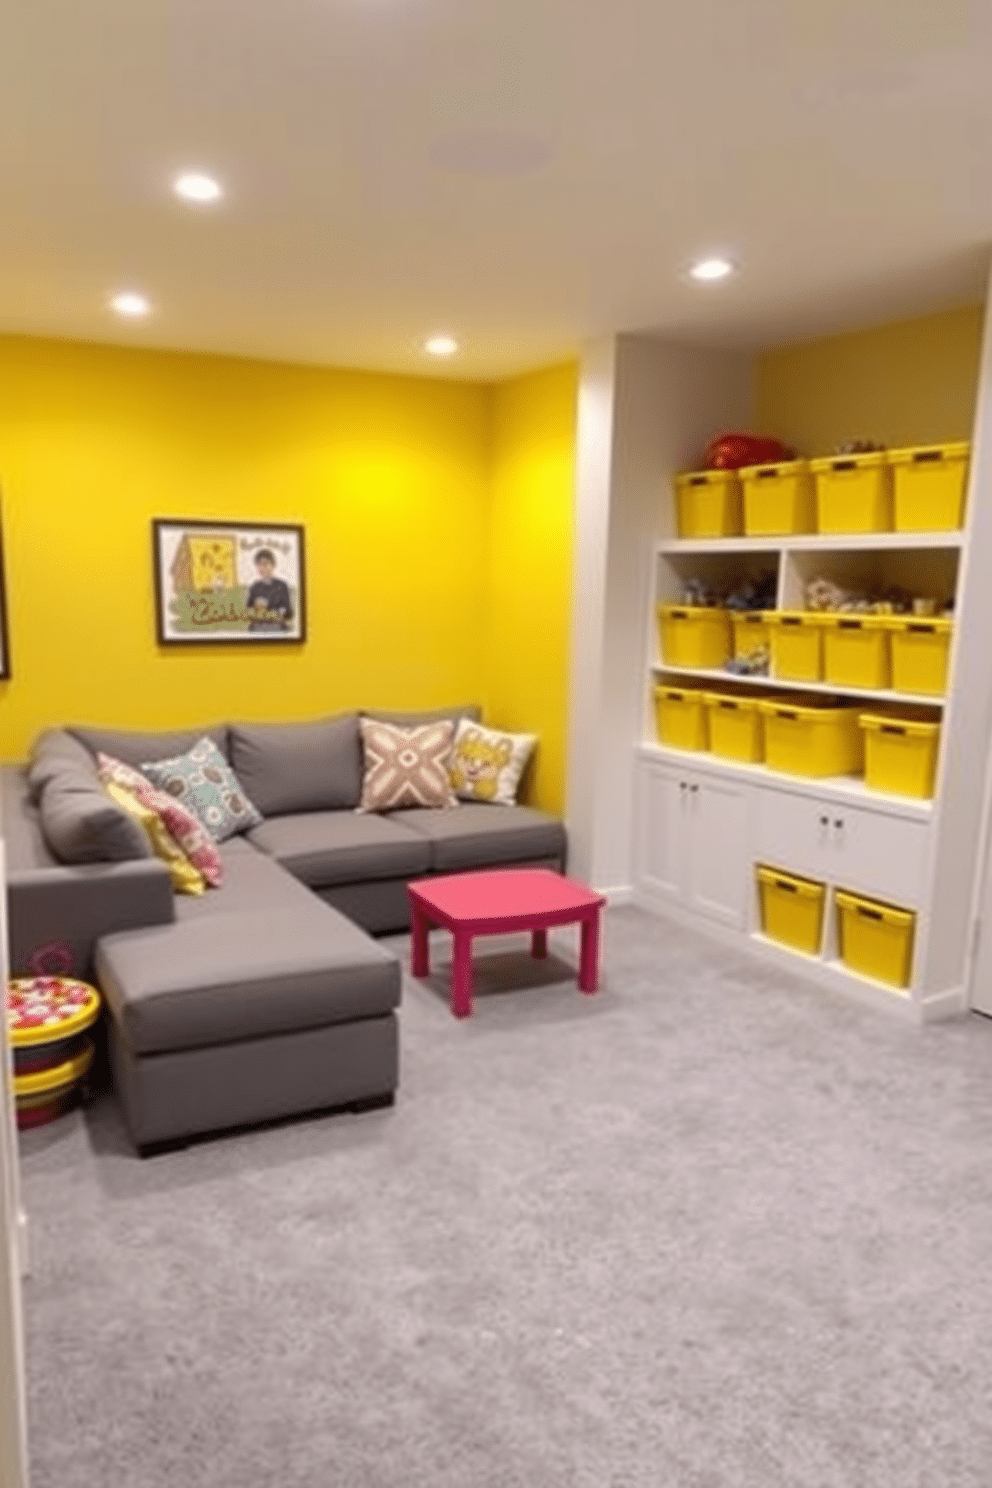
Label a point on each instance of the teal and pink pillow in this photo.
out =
(203, 782)
(182, 824)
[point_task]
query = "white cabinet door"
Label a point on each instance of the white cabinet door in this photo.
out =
(720, 849)
(878, 854)
(661, 847)
(849, 847)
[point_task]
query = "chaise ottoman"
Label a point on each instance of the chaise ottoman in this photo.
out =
(238, 1018)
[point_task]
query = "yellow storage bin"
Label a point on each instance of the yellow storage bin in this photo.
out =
(811, 738)
(681, 717)
(930, 485)
(876, 939)
(797, 644)
(751, 632)
(778, 499)
(735, 727)
(791, 909)
(856, 650)
(709, 503)
(693, 637)
(854, 493)
(920, 651)
(900, 754)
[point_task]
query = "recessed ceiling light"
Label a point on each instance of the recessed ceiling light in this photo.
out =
(129, 303)
(711, 268)
(196, 188)
(441, 346)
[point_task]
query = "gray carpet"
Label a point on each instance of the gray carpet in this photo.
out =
(710, 1228)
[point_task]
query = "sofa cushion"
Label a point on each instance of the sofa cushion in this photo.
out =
(432, 715)
(475, 835)
(328, 847)
(486, 765)
(205, 783)
(81, 824)
(406, 766)
(288, 767)
(246, 976)
(55, 753)
(134, 745)
(185, 878)
(181, 824)
(252, 882)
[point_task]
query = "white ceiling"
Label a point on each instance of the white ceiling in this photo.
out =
(525, 174)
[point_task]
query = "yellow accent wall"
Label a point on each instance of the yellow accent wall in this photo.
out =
(390, 475)
(533, 468)
(908, 382)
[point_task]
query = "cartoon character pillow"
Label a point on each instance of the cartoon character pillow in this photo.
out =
(486, 765)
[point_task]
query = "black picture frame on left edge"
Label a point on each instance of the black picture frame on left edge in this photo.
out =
(5, 666)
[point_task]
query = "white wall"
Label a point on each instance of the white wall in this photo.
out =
(647, 409)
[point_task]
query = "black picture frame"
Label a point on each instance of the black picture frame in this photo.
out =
(6, 669)
(204, 575)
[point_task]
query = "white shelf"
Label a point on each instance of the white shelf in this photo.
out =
(814, 542)
(846, 790)
(881, 695)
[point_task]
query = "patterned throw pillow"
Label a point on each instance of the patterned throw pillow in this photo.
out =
(205, 783)
(406, 766)
(185, 878)
(178, 820)
(486, 765)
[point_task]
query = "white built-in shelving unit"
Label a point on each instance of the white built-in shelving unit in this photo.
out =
(680, 833)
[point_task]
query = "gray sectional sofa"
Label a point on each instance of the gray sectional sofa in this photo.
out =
(268, 996)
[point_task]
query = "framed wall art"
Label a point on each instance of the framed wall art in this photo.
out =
(4, 632)
(240, 582)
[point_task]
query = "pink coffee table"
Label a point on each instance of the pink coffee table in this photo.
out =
(501, 900)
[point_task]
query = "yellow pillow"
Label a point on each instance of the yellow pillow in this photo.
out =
(185, 878)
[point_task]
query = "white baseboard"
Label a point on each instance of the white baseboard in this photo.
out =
(617, 895)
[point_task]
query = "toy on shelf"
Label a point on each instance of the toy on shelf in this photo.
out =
(824, 595)
(734, 451)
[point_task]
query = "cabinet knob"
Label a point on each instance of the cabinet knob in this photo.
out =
(838, 823)
(824, 821)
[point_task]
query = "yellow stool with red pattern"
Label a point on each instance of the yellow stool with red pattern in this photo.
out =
(48, 1017)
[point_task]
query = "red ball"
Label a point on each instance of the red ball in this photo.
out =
(734, 451)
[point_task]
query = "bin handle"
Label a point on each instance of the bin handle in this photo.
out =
(869, 914)
(790, 620)
(782, 883)
(844, 465)
(726, 703)
(892, 728)
(698, 480)
(785, 713)
(922, 455)
(849, 624)
(767, 474)
(922, 629)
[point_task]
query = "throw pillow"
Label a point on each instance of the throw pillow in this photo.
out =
(181, 823)
(205, 783)
(486, 765)
(406, 767)
(185, 878)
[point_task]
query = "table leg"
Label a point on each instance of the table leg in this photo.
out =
(539, 943)
(461, 975)
(420, 952)
(589, 953)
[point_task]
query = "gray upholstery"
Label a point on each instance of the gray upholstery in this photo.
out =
(57, 753)
(476, 835)
(135, 745)
(243, 976)
(59, 911)
(253, 883)
(289, 767)
(432, 715)
(81, 824)
(326, 847)
(170, 1096)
